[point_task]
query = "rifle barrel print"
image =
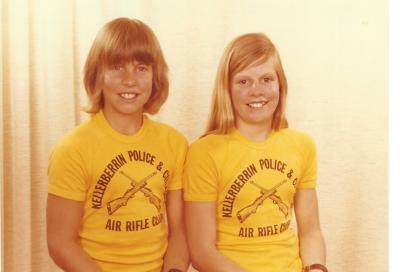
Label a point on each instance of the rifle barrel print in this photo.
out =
(117, 203)
(244, 213)
(147, 193)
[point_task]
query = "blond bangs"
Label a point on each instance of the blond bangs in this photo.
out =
(249, 51)
(128, 43)
(243, 52)
(119, 41)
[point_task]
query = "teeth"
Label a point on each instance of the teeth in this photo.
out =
(127, 95)
(256, 104)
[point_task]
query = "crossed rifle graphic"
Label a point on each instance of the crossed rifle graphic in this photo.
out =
(245, 212)
(115, 204)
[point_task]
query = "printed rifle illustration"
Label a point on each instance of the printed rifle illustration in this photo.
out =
(147, 192)
(117, 203)
(275, 199)
(244, 213)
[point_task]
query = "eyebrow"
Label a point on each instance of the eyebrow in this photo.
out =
(123, 62)
(248, 76)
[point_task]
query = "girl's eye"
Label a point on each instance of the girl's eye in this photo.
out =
(267, 79)
(243, 81)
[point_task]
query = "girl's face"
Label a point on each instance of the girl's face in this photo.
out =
(255, 95)
(126, 88)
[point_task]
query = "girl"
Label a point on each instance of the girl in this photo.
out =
(245, 175)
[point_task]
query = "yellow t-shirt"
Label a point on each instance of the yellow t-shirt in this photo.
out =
(122, 181)
(253, 185)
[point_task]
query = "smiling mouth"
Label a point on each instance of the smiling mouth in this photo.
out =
(128, 95)
(257, 105)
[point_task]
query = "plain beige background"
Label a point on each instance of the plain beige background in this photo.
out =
(335, 57)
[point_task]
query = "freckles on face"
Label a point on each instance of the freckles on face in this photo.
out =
(133, 76)
(255, 93)
(127, 86)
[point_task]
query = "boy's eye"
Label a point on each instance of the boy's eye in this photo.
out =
(118, 67)
(142, 68)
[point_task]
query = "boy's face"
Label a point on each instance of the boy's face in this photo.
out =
(126, 88)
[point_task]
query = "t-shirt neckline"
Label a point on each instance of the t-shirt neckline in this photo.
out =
(236, 134)
(102, 122)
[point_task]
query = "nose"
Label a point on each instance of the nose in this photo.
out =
(129, 78)
(255, 89)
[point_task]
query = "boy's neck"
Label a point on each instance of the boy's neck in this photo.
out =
(127, 124)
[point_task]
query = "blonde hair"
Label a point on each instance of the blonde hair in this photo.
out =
(245, 51)
(123, 40)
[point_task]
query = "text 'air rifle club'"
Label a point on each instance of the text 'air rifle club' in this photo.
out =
(244, 213)
(117, 203)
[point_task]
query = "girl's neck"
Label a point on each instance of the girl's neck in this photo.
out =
(255, 133)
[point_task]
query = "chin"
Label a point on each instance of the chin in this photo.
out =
(130, 111)
(259, 119)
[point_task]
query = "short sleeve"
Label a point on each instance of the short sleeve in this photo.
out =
(66, 173)
(200, 175)
(180, 146)
(309, 173)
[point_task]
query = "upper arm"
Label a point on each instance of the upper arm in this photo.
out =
(200, 178)
(175, 211)
(200, 195)
(309, 173)
(64, 218)
(67, 172)
(201, 225)
(306, 209)
(179, 146)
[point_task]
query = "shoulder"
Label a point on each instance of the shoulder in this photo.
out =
(165, 132)
(79, 138)
(211, 140)
(211, 143)
(297, 139)
(296, 135)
